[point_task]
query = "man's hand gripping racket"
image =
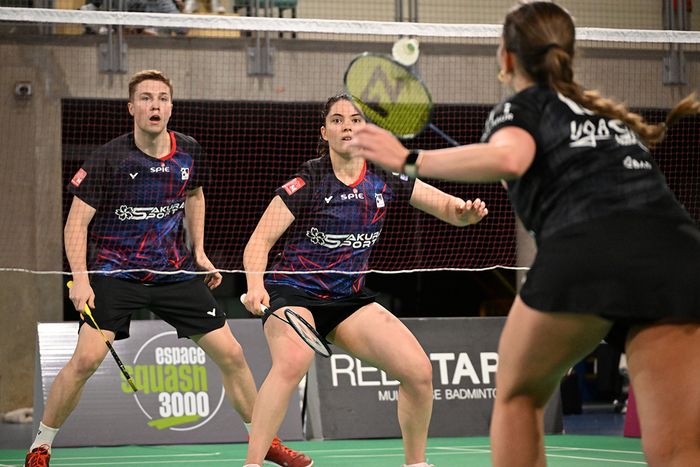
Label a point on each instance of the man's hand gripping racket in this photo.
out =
(88, 312)
(302, 327)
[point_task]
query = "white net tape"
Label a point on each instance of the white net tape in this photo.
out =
(39, 15)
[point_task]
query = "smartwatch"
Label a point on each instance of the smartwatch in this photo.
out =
(410, 167)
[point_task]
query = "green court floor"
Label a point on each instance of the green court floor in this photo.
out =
(562, 451)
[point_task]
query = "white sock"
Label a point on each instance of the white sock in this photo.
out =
(45, 435)
(248, 427)
(252, 465)
(420, 464)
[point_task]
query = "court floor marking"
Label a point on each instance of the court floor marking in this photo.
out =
(132, 456)
(597, 459)
(59, 463)
(562, 452)
(573, 448)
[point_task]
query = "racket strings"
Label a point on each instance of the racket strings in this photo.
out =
(389, 94)
(307, 333)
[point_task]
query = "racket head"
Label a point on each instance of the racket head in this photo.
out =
(389, 94)
(308, 334)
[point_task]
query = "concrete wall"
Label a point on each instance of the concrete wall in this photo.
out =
(206, 69)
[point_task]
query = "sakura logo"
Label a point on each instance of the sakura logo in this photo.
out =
(123, 213)
(316, 237)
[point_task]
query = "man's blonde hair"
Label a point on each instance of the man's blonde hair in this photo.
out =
(146, 75)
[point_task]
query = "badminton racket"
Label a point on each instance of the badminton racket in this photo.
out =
(302, 327)
(88, 312)
(391, 96)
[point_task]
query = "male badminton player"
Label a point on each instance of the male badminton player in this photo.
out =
(133, 199)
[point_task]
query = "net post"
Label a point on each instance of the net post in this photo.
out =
(675, 71)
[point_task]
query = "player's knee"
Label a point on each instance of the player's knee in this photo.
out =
(526, 391)
(293, 364)
(420, 375)
(84, 365)
(233, 358)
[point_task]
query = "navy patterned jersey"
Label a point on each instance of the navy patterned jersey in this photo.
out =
(140, 207)
(586, 166)
(335, 227)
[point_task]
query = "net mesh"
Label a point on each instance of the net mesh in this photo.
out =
(253, 99)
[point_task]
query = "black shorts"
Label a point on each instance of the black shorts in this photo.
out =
(327, 313)
(626, 268)
(188, 306)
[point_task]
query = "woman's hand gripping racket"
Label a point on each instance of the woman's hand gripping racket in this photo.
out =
(391, 96)
(88, 312)
(302, 327)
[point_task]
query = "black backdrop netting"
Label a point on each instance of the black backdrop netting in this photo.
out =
(254, 147)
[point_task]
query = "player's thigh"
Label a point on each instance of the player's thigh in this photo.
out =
(536, 348)
(664, 365)
(376, 336)
(289, 352)
(221, 346)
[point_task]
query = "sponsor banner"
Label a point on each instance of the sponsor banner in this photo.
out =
(180, 400)
(351, 399)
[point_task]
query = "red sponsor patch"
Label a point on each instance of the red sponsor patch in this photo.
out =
(78, 177)
(293, 186)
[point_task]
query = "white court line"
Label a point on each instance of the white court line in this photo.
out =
(616, 451)
(60, 460)
(597, 459)
(465, 449)
(58, 463)
(118, 456)
(361, 456)
(400, 449)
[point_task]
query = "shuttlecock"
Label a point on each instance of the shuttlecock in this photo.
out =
(405, 51)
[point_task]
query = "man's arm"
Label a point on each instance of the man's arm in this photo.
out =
(194, 221)
(75, 235)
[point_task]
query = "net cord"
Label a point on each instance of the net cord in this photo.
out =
(300, 25)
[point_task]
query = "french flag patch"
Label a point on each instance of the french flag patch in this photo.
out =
(293, 186)
(78, 177)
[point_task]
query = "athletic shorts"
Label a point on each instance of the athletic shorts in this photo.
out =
(327, 313)
(630, 269)
(188, 306)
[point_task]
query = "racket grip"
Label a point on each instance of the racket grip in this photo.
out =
(121, 367)
(263, 308)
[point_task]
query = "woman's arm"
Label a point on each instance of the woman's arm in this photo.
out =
(274, 222)
(506, 156)
(446, 207)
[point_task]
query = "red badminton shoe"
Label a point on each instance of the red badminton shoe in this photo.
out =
(38, 457)
(285, 457)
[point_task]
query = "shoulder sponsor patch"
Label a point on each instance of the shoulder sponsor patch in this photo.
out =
(78, 177)
(293, 185)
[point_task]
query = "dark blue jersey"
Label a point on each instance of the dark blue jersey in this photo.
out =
(335, 226)
(139, 200)
(586, 166)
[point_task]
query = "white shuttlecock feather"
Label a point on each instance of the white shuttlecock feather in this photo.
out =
(406, 51)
